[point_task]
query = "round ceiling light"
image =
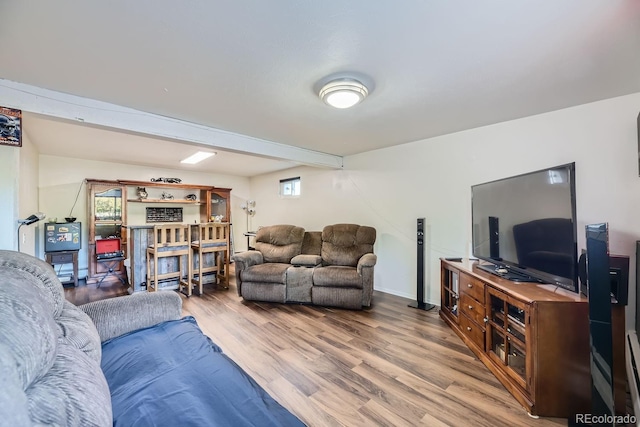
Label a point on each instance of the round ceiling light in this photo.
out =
(343, 93)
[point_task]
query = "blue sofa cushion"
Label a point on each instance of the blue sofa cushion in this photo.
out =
(172, 374)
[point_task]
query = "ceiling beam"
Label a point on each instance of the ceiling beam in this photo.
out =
(83, 110)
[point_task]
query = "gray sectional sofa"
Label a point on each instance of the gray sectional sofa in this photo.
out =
(124, 361)
(333, 267)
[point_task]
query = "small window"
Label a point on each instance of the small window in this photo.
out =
(290, 187)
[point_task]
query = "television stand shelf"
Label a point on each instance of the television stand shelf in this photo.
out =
(511, 275)
(533, 337)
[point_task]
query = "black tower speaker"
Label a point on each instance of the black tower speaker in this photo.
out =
(420, 282)
(618, 274)
(600, 322)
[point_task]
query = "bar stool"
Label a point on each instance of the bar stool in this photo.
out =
(169, 240)
(213, 238)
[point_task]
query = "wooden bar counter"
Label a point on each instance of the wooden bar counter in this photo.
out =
(139, 238)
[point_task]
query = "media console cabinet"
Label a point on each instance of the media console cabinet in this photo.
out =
(534, 338)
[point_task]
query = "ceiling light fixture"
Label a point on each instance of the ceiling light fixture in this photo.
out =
(343, 93)
(198, 157)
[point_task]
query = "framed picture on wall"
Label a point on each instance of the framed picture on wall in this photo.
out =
(10, 127)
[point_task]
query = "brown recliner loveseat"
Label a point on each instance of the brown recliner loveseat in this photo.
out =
(290, 265)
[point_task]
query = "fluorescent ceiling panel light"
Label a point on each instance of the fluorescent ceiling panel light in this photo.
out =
(198, 157)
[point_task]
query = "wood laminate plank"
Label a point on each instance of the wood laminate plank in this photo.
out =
(390, 365)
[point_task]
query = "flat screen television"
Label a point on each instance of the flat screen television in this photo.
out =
(524, 226)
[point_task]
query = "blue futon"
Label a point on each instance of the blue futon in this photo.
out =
(172, 374)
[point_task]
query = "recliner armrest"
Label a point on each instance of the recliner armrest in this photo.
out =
(366, 260)
(243, 261)
(305, 260)
(247, 259)
(117, 316)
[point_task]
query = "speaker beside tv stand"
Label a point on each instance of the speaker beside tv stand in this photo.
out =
(419, 303)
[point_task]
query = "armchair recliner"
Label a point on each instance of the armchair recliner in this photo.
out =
(263, 272)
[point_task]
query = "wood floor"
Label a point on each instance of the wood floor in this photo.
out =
(390, 365)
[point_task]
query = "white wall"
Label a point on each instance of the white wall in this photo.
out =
(390, 188)
(19, 195)
(9, 173)
(28, 195)
(61, 180)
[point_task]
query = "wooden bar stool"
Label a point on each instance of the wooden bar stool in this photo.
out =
(169, 240)
(213, 238)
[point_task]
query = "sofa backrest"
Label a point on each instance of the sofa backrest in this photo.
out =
(312, 243)
(279, 243)
(344, 244)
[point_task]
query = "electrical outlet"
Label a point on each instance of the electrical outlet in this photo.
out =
(24, 237)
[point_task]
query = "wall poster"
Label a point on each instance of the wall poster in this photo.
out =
(10, 127)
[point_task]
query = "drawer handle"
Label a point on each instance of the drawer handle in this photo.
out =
(469, 328)
(470, 307)
(469, 285)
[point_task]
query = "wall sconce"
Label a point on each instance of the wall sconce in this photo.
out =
(28, 221)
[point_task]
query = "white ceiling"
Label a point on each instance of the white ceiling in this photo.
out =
(253, 68)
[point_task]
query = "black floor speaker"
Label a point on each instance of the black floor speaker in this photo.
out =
(419, 303)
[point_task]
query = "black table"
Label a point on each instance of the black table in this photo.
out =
(111, 264)
(64, 257)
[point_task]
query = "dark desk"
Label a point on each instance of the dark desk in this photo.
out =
(64, 257)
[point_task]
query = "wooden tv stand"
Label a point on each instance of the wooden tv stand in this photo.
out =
(534, 338)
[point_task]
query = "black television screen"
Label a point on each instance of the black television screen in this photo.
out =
(525, 226)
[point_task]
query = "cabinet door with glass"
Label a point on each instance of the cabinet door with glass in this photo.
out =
(450, 292)
(219, 204)
(106, 213)
(507, 336)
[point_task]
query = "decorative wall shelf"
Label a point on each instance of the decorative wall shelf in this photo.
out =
(180, 201)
